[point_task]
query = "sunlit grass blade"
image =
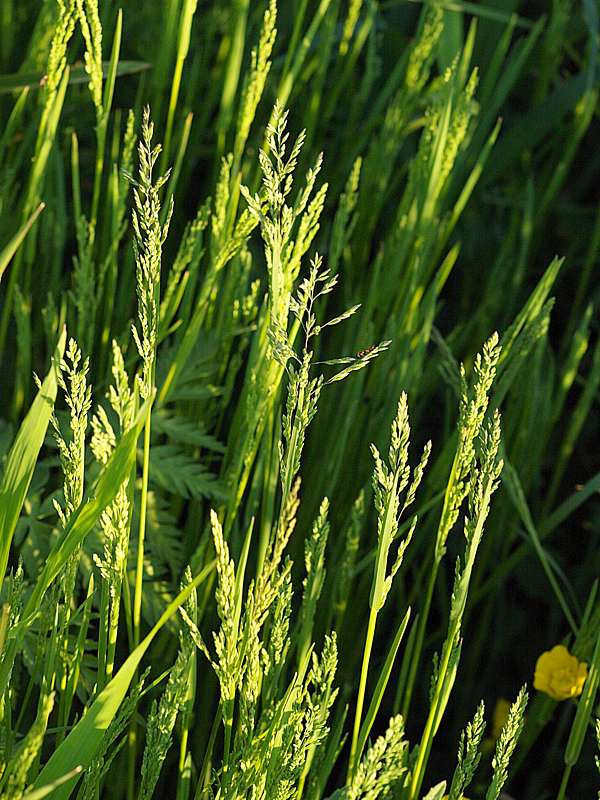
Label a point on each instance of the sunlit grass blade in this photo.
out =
(79, 747)
(23, 456)
(44, 791)
(116, 471)
(382, 682)
(11, 248)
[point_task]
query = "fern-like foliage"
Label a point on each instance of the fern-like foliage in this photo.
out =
(177, 472)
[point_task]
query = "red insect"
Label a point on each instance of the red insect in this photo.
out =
(366, 351)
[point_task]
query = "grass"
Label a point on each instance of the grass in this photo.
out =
(308, 483)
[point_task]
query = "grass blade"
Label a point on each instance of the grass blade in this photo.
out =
(380, 688)
(11, 248)
(82, 521)
(79, 747)
(23, 457)
(33, 80)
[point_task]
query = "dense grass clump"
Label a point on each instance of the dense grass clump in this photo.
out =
(303, 503)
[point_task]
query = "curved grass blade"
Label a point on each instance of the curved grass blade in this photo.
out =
(80, 746)
(585, 709)
(11, 248)
(23, 457)
(80, 524)
(44, 791)
(33, 80)
(512, 483)
(82, 521)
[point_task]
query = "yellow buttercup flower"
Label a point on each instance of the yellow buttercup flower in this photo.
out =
(499, 717)
(559, 674)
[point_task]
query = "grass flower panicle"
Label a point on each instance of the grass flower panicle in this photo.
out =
(469, 755)
(506, 744)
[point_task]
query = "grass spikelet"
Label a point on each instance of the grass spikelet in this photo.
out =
(468, 754)
(506, 745)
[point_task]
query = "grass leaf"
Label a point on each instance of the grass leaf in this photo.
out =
(23, 456)
(80, 746)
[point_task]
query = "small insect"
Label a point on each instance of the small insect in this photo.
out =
(366, 351)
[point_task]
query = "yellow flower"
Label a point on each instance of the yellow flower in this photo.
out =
(559, 674)
(499, 717)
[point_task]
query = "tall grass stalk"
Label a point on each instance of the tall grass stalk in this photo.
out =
(197, 596)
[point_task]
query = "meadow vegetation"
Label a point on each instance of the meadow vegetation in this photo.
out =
(300, 375)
